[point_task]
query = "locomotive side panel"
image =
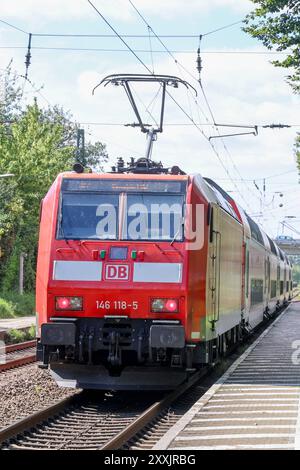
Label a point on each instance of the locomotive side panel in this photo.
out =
(47, 228)
(196, 270)
(224, 274)
(230, 284)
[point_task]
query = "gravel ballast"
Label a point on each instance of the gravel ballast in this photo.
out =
(25, 390)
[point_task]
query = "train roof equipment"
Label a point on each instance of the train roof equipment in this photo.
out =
(126, 80)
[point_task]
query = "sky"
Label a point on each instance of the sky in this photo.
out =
(239, 82)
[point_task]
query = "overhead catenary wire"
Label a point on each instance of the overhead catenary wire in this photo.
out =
(154, 51)
(178, 124)
(182, 109)
(14, 27)
(118, 35)
(151, 52)
(230, 25)
(270, 176)
(197, 104)
(186, 114)
(208, 106)
(138, 58)
(91, 35)
(184, 68)
(199, 66)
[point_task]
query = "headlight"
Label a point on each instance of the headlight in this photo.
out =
(68, 303)
(164, 305)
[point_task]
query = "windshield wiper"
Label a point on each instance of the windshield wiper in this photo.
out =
(181, 225)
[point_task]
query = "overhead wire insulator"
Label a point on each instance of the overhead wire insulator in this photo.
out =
(276, 126)
(28, 55)
(199, 59)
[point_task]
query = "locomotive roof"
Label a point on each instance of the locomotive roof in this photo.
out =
(144, 176)
(246, 219)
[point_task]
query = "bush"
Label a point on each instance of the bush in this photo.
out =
(6, 309)
(15, 336)
(22, 305)
(30, 333)
(19, 336)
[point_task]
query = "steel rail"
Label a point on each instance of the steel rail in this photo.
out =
(122, 437)
(137, 425)
(17, 361)
(125, 434)
(34, 419)
(18, 346)
(22, 361)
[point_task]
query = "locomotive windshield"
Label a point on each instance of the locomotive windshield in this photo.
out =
(121, 210)
(153, 217)
(80, 215)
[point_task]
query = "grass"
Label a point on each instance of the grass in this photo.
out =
(6, 309)
(14, 305)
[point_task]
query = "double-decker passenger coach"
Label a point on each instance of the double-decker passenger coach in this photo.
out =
(146, 275)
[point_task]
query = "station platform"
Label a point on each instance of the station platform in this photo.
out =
(256, 403)
(16, 323)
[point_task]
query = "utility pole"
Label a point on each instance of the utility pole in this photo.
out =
(21, 273)
(80, 153)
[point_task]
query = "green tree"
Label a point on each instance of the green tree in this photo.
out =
(35, 145)
(297, 150)
(10, 96)
(276, 23)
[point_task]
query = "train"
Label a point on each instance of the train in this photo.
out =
(146, 275)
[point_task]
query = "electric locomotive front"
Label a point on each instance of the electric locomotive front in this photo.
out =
(112, 281)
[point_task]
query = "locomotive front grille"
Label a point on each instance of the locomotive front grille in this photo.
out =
(123, 331)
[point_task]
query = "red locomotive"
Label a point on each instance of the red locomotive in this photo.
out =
(146, 274)
(125, 298)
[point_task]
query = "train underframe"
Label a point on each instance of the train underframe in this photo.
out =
(124, 353)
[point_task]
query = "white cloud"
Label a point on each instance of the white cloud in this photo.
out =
(37, 11)
(172, 8)
(241, 89)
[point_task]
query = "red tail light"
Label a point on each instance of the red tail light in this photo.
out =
(164, 305)
(171, 305)
(68, 303)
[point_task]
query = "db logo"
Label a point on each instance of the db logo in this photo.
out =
(117, 272)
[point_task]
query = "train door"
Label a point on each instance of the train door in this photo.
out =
(278, 283)
(267, 280)
(284, 282)
(245, 294)
(214, 271)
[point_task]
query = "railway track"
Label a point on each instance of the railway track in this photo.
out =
(91, 420)
(255, 404)
(16, 355)
(104, 421)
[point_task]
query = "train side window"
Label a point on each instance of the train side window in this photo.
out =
(278, 277)
(273, 289)
(257, 292)
(255, 231)
(281, 287)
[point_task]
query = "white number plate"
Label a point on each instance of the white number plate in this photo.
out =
(116, 305)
